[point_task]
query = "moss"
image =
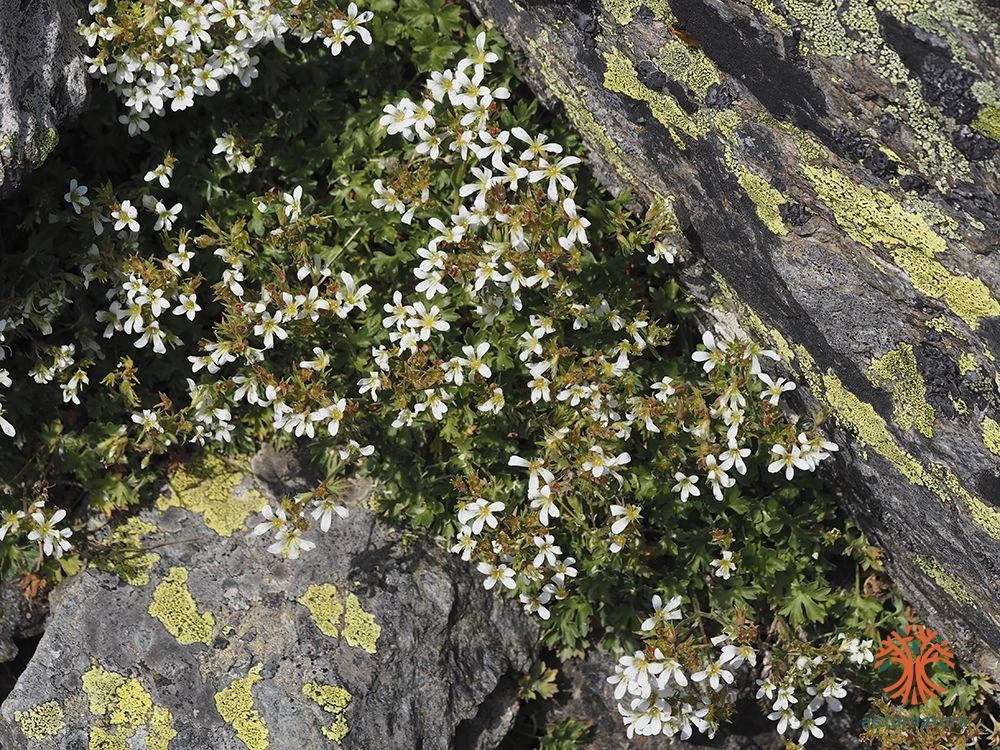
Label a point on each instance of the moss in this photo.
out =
(213, 488)
(688, 65)
(324, 605)
(360, 628)
(47, 143)
(872, 218)
(235, 706)
(987, 122)
(131, 566)
(334, 700)
(936, 572)
(174, 606)
(897, 370)
(41, 721)
(620, 76)
(991, 435)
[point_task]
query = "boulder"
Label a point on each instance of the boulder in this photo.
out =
(43, 80)
(200, 638)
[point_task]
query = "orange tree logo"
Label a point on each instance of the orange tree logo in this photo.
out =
(915, 651)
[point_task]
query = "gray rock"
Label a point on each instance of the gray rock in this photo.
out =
(370, 639)
(43, 80)
(18, 618)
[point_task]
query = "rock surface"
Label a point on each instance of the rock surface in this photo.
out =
(367, 641)
(18, 618)
(43, 80)
(833, 166)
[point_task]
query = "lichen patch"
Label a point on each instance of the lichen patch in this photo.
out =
(175, 607)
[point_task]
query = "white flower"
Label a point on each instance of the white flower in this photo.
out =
(324, 510)
(775, 388)
(623, 515)
(789, 460)
(686, 485)
(541, 500)
(293, 203)
(811, 726)
(124, 216)
(54, 541)
(465, 543)
(148, 420)
(77, 196)
(725, 566)
(480, 512)
(188, 305)
(548, 550)
(495, 573)
(715, 675)
(554, 172)
(274, 520)
(662, 612)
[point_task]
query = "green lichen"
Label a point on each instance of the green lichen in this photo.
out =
(987, 122)
(991, 435)
(215, 489)
(767, 9)
(174, 606)
(936, 572)
(688, 65)
(334, 700)
(323, 603)
(623, 11)
(897, 371)
(41, 721)
(360, 628)
(235, 706)
(872, 218)
(124, 557)
(620, 76)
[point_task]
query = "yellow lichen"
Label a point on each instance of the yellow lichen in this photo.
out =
(327, 610)
(767, 199)
(214, 489)
(967, 362)
(991, 435)
(897, 370)
(872, 218)
(620, 76)
(767, 9)
(123, 706)
(360, 628)
(174, 606)
(235, 706)
(334, 700)
(101, 739)
(987, 122)
(124, 558)
(41, 721)
(324, 605)
(936, 572)
(160, 730)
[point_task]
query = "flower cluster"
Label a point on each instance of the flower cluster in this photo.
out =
(161, 55)
(39, 527)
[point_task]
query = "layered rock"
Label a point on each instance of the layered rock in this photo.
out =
(196, 637)
(43, 81)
